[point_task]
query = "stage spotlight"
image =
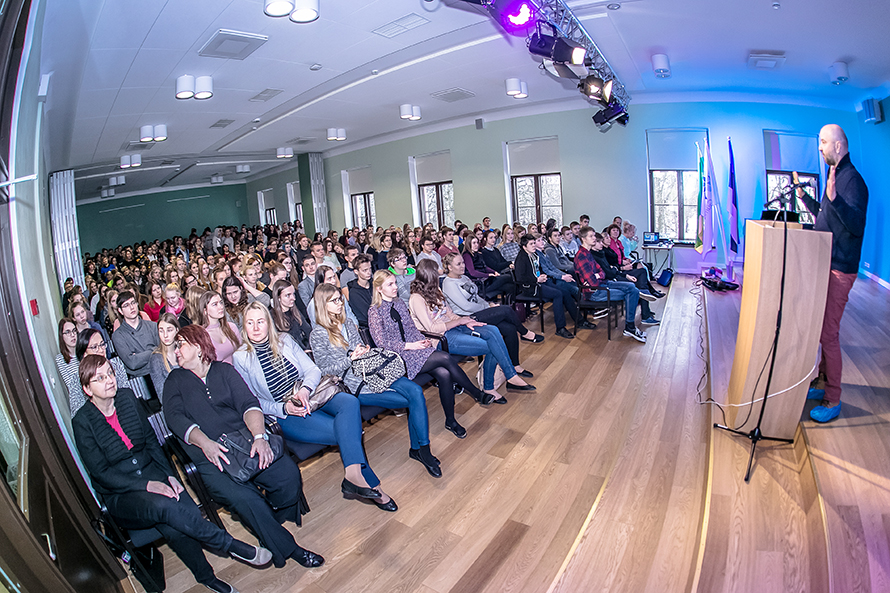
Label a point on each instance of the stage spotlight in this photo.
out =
(556, 48)
(595, 88)
(613, 112)
(516, 16)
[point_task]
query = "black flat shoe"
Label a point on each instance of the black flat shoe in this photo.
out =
(584, 324)
(389, 507)
(432, 467)
(350, 489)
(564, 333)
(220, 586)
(536, 340)
(307, 559)
(458, 430)
(526, 374)
(501, 400)
(512, 387)
(483, 398)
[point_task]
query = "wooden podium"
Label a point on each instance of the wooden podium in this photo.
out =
(806, 289)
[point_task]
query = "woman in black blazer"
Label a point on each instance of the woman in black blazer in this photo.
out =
(130, 471)
(531, 281)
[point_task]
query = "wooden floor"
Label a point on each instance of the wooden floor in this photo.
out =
(609, 478)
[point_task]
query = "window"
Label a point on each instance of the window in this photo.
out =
(271, 217)
(673, 204)
(437, 203)
(776, 184)
(537, 198)
(364, 212)
(294, 201)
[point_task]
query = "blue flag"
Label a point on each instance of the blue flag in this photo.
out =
(733, 206)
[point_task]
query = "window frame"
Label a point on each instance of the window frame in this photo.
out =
(799, 206)
(440, 209)
(538, 205)
(370, 209)
(681, 239)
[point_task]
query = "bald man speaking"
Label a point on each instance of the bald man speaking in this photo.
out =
(841, 213)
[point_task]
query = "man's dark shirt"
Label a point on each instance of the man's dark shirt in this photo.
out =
(359, 301)
(844, 217)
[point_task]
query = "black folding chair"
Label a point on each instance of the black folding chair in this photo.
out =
(585, 305)
(528, 301)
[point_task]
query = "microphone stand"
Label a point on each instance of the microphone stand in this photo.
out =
(756, 435)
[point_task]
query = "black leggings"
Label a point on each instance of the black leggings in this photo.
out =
(442, 367)
(508, 324)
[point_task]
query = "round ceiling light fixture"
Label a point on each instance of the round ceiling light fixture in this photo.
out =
(305, 11)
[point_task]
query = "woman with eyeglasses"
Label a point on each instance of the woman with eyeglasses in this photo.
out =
(163, 359)
(393, 329)
(326, 275)
(336, 343)
(272, 364)
(90, 341)
(67, 363)
(129, 470)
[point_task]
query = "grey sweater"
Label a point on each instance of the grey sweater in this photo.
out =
(334, 360)
(158, 371)
(135, 345)
(462, 295)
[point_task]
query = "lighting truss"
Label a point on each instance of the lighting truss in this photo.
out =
(563, 20)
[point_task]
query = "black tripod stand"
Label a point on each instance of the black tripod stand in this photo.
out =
(756, 435)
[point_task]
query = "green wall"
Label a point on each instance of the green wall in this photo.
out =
(154, 216)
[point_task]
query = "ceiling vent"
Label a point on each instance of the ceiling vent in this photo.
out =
(301, 140)
(232, 45)
(266, 95)
(766, 60)
(136, 145)
(402, 25)
(222, 123)
(453, 94)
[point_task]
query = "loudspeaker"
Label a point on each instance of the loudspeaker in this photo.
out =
(480, 124)
(871, 110)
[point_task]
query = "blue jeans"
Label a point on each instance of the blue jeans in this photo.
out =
(462, 342)
(625, 291)
(338, 422)
(404, 393)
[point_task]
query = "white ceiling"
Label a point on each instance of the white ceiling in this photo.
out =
(114, 66)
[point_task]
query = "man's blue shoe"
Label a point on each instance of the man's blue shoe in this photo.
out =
(814, 393)
(824, 414)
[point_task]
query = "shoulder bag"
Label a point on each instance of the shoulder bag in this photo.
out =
(378, 369)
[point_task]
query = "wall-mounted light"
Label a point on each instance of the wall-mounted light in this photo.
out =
(188, 87)
(285, 153)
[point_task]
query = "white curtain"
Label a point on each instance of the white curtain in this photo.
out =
(319, 197)
(66, 238)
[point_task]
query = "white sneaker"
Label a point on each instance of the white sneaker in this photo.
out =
(636, 334)
(647, 297)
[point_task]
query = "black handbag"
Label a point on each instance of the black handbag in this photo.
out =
(242, 467)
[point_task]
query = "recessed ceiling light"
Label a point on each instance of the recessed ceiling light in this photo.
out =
(613, 6)
(315, 67)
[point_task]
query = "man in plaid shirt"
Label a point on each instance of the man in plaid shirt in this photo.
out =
(591, 276)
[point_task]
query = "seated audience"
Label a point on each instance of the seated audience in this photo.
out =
(508, 246)
(155, 305)
(78, 311)
(163, 359)
(447, 245)
(326, 275)
(493, 282)
(532, 281)
(286, 313)
(336, 343)
(224, 334)
(392, 328)
(428, 251)
(466, 336)
(136, 338)
(110, 432)
(405, 274)
(592, 274)
(307, 285)
(492, 257)
(204, 399)
(360, 294)
(272, 364)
